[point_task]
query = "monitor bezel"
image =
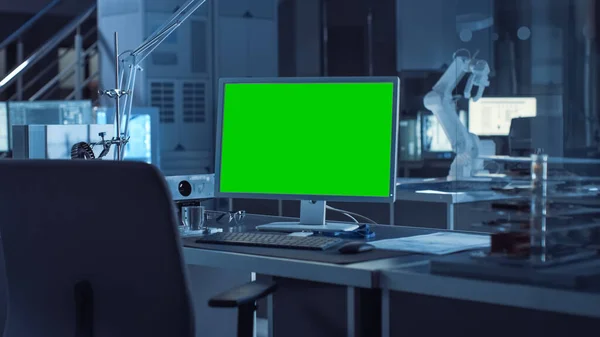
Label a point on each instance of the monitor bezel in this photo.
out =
(394, 145)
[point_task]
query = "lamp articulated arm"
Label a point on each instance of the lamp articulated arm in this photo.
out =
(129, 63)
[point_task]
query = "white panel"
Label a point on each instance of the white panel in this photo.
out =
(163, 95)
(262, 54)
(196, 121)
(173, 56)
(60, 139)
(233, 47)
(492, 116)
(118, 7)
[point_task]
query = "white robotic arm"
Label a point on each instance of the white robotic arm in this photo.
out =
(441, 102)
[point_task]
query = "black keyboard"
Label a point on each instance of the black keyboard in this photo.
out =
(271, 240)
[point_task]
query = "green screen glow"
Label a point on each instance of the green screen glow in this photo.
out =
(320, 139)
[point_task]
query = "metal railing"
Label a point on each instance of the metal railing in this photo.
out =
(76, 68)
(17, 35)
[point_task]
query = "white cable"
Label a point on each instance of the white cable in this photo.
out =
(347, 213)
(351, 217)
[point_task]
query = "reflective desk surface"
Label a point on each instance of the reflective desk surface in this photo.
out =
(450, 193)
(361, 274)
(418, 280)
(406, 274)
(439, 190)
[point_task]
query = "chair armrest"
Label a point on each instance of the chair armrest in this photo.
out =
(242, 295)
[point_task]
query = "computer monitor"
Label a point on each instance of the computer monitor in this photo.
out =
(308, 139)
(435, 142)
(4, 137)
(491, 116)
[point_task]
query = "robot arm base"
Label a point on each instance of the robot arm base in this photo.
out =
(465, 168)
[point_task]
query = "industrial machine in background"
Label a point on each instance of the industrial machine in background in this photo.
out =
(41, 113)
(192, 191)
(441, 101)
(57, 141)
(73, 139)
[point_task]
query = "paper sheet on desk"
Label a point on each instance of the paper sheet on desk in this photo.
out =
(441, 243)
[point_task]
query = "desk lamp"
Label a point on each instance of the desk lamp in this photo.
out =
(127, 64)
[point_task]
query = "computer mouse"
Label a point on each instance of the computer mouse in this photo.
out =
(355, 247)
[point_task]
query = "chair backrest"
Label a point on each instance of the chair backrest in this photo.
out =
(91, 248)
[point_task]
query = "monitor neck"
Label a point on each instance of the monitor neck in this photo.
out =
(312, 219)
(312, 212)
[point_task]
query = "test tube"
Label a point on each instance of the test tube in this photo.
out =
(538, 209)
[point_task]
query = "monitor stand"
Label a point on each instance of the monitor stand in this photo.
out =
(312, 219)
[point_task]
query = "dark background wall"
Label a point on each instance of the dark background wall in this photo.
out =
(351, 46)
(65, 7)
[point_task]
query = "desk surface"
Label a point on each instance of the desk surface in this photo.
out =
(437, 191)
(363, 274)
(409, 273)
(416, 279)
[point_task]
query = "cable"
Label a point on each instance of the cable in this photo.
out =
(351, 217)
(349, 214)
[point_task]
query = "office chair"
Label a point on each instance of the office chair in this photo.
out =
(91, 248)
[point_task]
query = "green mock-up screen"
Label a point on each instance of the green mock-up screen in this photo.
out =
(320, 139)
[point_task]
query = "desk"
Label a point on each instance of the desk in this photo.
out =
(417, 194)
(432, 191)
(547, 307)
(357, 279)
(364, 285)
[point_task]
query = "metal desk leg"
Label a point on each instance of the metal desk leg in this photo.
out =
(450, 216)
(350, 312)
(385, 313)
(280, 207)
(270, 315)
